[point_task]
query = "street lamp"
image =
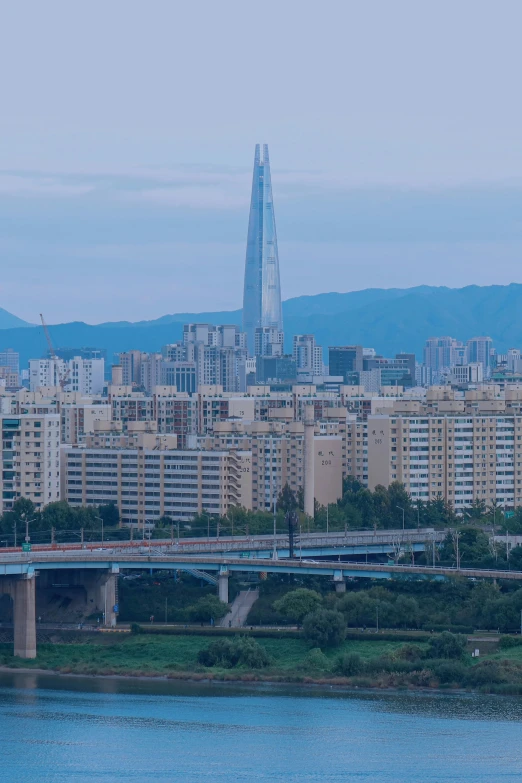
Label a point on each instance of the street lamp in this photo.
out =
(274, 554)
(27, 538)
(100, 519)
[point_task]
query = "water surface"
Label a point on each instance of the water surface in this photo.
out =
(62, 730)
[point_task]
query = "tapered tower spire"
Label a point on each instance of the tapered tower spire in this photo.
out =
(262, 292)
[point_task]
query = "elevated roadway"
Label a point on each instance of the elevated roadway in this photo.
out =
(99, 570)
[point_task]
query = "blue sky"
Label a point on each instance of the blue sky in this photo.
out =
(128, 132)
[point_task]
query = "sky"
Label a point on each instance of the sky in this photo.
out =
(127, 136)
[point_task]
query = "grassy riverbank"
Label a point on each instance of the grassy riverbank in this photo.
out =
(168, 655)
(371, 663)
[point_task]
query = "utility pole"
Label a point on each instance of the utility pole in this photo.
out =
(401, 509)
(274, 554)
(291, 517)
(456, 535)
(327, 519)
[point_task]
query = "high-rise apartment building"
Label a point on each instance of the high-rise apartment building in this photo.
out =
(308, 356)
(442, 353)
(268, 341)
(262, 290)
(30, 459)
(460, 458)
(131, 367)
(86, 376)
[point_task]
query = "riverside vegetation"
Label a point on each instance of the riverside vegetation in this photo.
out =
(325, 640)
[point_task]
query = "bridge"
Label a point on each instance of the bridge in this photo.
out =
(361, 542)
(98, 571)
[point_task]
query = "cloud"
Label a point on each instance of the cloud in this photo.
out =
(19, 184)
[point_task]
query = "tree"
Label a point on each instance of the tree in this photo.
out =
(287, 500)
(110, 514)
(324, 628)
(296, 604)
(207, 608)
(446, 645)
(59, 515)
(399, 500)
(23, 510)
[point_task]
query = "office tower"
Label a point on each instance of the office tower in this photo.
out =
(345, 358)
(262, 291)
(480, 349)
(11, 359)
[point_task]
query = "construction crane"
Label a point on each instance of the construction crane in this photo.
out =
(64, 376)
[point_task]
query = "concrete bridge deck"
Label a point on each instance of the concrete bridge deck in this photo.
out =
(19, 570)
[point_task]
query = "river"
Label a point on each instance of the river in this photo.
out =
(61, 730)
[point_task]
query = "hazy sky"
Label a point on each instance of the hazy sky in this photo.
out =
(127, 135)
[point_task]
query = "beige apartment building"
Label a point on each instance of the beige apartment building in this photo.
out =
(277, 457)
(457, 457)
(30, 459)
(147, 477)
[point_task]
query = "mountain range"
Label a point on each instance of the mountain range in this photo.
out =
(389, 320)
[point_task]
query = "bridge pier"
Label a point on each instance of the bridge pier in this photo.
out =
(340, 587)
(101, 590)
(23, 594)
(223, 585)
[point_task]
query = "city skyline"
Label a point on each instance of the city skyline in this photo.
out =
(384, 174)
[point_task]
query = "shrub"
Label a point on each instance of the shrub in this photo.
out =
(222, 653)
(486, 673)
(506, 642)
(446, 645)
(450, 671)
(252, 654)
(228, 653)
(325, 628)
(135, 628)
(349, 665)
(410, 652)
(316, 661)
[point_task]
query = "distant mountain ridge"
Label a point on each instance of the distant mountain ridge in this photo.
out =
(10, 321)
(389, 320)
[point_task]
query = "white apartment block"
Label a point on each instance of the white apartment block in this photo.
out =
(308, 356)
(86, 376)
(30, 459)
(458, 458)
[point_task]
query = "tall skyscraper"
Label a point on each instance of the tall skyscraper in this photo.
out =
(262, 292)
